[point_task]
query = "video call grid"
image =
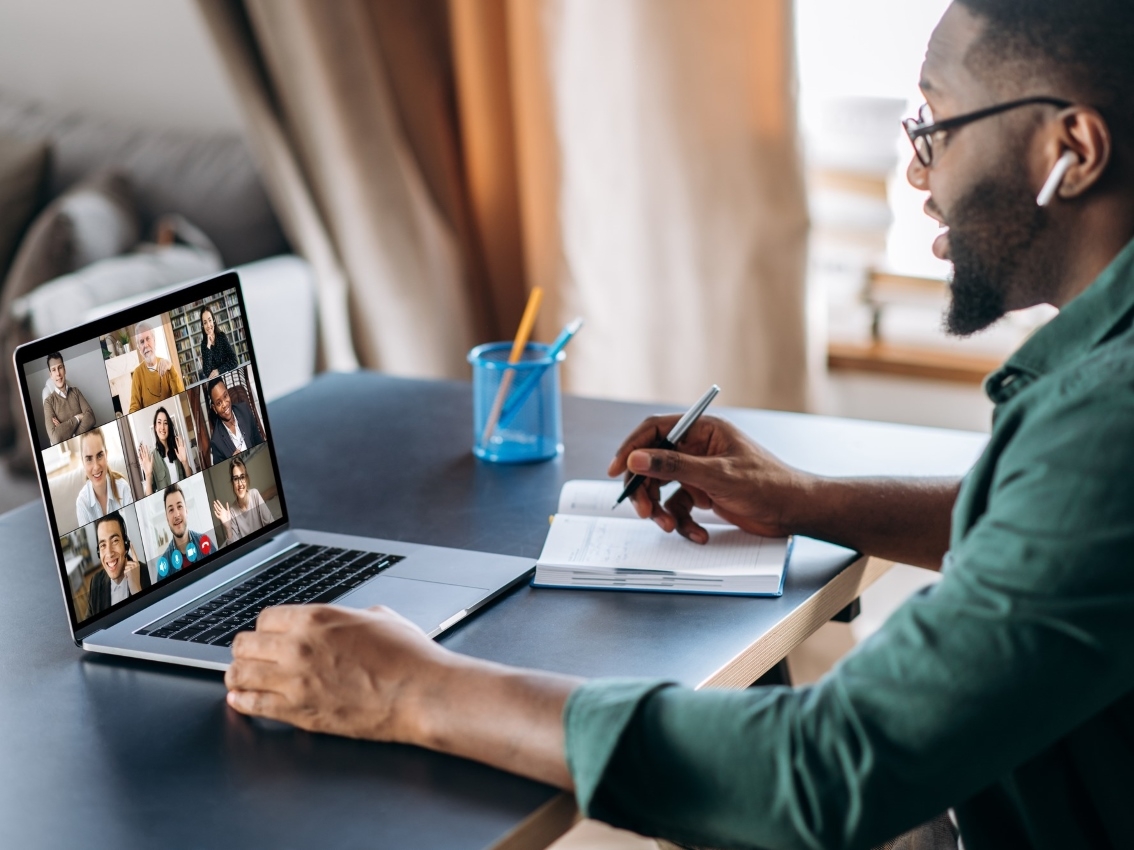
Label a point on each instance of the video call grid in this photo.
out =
(202, 468)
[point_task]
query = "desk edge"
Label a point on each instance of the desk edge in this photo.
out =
(766, 651)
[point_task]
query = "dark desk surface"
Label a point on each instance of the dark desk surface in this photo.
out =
(102, 752)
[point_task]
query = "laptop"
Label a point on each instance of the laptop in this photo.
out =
(163, 496)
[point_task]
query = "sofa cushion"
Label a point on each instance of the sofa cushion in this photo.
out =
(67, 300)
(94, 220)
(209, 178)
(23, 185)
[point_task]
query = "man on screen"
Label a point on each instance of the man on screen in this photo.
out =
(122, 576)
(234, 426)
(154, 379)
(66, 412)
(187, 546)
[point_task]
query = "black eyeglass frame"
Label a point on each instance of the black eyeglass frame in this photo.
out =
(916, 130)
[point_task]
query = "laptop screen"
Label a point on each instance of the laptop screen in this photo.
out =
(153, 444)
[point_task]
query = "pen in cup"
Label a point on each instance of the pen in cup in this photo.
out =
(673, 437)
(524, 389)
(518, 346)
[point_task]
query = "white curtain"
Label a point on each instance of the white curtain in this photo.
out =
(664, 194)
(636, 158)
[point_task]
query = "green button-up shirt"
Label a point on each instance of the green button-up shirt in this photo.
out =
(1006, 691)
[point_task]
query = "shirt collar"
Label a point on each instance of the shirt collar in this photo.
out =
(1078, 329)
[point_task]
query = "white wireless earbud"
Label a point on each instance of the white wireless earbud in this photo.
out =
(1047, 193)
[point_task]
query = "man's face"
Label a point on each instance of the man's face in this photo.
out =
(175, 515)
(111, 549)
(58, 373)
(222, 404)
(146, 346)
(981, 187)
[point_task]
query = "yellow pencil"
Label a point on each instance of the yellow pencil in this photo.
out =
(518, 346)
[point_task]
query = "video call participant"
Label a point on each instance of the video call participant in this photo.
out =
(65, 410)
(217, 356)
(186, 545)
(251, 512)
(122, 576)
(106, 491)
(168, 463)
(234, 427)
(154, 379)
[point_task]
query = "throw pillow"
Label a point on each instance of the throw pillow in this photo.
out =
(69, 299)
(23, 181)
(93, 221)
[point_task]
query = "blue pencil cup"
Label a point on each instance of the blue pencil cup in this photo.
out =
(524, 423)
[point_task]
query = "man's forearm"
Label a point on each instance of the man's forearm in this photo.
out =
(508, 718)
(374, 675)
(899, 519)
(65, 430)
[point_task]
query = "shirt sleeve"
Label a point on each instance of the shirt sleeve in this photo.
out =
(82, 513)
(56, 433)
(136, 390)
(88, 420)
(954, 691)
(263, 510)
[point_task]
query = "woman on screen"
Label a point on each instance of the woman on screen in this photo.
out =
(169, 462)
(217, 356)
(105, 490)
(250, 512)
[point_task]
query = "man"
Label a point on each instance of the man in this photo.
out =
(154, 379)
(186, 546)
(235, 428)
(1004, 693)
(66, 412)
(121, 576)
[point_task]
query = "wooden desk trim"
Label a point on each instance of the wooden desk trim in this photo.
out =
(907, 361)
(766, 652)
(554, 818)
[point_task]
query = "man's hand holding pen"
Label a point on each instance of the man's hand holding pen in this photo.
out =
(719, 468)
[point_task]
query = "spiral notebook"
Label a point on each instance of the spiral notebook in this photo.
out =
(592, 546)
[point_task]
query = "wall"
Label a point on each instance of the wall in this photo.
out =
(147, 62)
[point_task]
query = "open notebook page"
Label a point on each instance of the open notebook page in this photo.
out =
(581, 542)
(596, 498)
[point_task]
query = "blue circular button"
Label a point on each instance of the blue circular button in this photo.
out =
(191, 551)
(162, 567)
(178, 560)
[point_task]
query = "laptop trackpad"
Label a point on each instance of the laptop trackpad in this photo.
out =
(425, 603)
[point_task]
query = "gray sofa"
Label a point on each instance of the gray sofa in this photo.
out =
(210, 181)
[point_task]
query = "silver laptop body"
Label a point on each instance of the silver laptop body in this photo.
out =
(185, 554)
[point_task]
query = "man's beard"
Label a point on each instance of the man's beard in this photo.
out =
(998, 252)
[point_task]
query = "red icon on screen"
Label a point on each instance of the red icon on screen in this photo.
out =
(206, 545)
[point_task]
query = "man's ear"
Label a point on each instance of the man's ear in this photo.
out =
(1083, 131)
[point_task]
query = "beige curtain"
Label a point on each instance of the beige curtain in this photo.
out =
(636, 158)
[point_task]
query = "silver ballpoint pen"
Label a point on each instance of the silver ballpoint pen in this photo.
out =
(674, 436)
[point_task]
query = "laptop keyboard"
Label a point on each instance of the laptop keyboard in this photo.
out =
(308, 574)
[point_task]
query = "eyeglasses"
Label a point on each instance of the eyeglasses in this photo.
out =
(922, 130)
(242, 478)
